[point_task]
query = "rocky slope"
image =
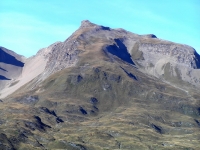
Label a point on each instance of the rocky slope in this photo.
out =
(104, 88)
(173, 63)
(18, 75)
(11, 65)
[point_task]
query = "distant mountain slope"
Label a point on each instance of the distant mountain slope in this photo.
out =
(104, 88)
(26, 71)
(174, 63)
(11, 65)
(9, 57)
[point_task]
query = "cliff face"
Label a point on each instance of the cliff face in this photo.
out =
(172, 62)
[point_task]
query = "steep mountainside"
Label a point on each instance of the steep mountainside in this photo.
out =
(11, 65)
(104, 88)
(173, 63)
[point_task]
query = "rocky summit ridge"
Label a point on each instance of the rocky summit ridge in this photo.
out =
(172, 62)
(101, 88)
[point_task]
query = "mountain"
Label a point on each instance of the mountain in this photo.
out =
(102, 88)
(11, 66)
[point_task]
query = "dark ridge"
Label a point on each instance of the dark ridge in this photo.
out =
(22, 137)
(25, 132)
(5, 143)
(96, 70)
(198, 109)
(96, 108)
(152, 36)
(3, 69)
(9, 59)
(14, 140)
(3, 78)
(76, 79)
(198, 123)
(39, 144)
(46, 110)
(31, 125)
(38, 124)
(92, 111)
(83, 111)
(93, 100)
(157, 128)
(120, 50)
(197, 59)
(59, 120)
(105, 28)
(39, 121)
(79, 78)
(130, 74)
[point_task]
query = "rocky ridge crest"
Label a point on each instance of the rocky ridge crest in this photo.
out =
(171, 62)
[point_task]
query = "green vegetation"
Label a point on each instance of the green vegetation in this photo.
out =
(102, 103)
(128, 114)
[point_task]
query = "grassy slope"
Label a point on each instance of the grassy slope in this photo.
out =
(132, 111)
(126, 111)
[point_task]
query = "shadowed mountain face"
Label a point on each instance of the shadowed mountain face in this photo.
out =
(11, 66)
(120, 51)
(197, 59)
(2, 69)
(9, 59)
(105, 88)
(3, 78)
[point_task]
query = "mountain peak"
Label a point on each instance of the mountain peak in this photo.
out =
(94, 79)
(86, 24)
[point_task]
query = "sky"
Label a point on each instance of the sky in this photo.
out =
(29, 25)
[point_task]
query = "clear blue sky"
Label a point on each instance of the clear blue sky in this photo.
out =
(29, 25)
